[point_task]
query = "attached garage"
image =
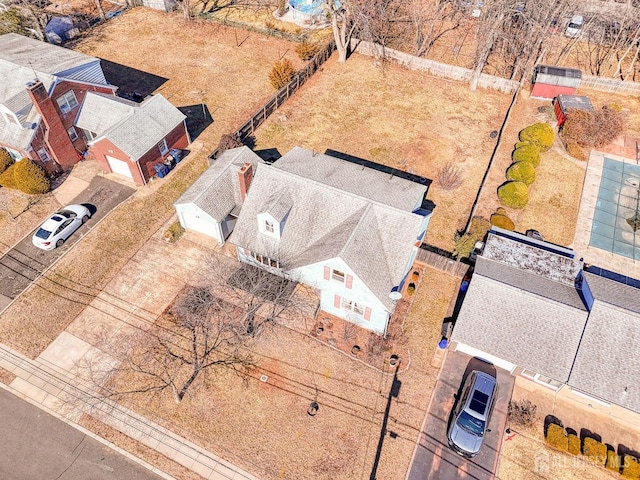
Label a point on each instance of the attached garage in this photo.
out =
(193, 218)
(119, 166)
(474, 352)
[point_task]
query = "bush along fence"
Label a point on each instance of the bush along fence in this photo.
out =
(534, 139)
(266, 30)
(281, 96)
(590, 446)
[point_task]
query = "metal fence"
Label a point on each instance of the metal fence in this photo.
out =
(281, 95)
(434, 68)
(610, 85)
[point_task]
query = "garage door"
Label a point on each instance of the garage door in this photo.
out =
(119, 166)
(194, 221)
(474, 352)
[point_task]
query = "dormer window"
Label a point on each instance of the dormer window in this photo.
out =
(268, 226)
(337, 275)
(67, 102)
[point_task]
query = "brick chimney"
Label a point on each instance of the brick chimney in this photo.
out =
(56, 136)
(245, 175)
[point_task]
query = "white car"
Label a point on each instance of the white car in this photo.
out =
(574, 28)
(60, 226)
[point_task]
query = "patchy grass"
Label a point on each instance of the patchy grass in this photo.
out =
(265, 428)
(398, 117)
(526, 457)
(139, 450)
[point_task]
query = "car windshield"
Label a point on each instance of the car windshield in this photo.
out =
(471, 424)
(42, 233)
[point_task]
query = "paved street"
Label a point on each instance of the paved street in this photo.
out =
(36, 445)
(24, 263)
(433, 459)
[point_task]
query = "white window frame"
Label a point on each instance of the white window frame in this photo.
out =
(67, 101)
(539, 378)
(266, 261)
(338, 276)
(43, 155)
(163, 147)
(351, 306)
(269, 227)
(73, 134)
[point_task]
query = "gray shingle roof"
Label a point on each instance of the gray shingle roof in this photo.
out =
(101, 112)
(544, 263)
(23, 59)
(519, 326)
(146, 125)
(615, 293)
(40, 56)
(531, 282)
(350, 177)
(217, 190)
(608, 360)
(324, 222)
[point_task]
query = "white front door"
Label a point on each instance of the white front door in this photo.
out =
(119, 166)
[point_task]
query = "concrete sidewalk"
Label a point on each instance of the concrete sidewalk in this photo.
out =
(60, 394)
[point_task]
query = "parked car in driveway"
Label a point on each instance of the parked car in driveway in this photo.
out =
(471, 414)
(57, 228)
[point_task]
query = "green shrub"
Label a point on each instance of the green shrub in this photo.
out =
(30, 177)
(613, 461)
(521, 144)
(523, 172)
(527, 153)
(540, 134)
(595, 451)
(281, 73)
(479, 227)
(576, 151)
(574, 444)
(6, 178)
(174, 232)
(306, 50)
(6, 160)
(502, 221)
(556, 437)
(631, 467)
(463, 244)
(513, 194)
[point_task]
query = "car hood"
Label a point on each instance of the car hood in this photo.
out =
(464, 440)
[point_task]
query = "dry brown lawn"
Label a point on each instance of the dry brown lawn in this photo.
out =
(265, 428)
(398, 117)
(526, 457)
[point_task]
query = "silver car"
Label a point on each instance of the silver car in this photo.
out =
(53, 232)
(471, 414)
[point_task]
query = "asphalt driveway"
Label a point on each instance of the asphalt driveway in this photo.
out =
(433, 459)
(24, 263)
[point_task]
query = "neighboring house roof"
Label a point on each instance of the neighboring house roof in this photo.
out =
(517, 325)
(133, 128)
(372, 184)
(22, 60)
(533, 318)
(373, 236)
(217, 190)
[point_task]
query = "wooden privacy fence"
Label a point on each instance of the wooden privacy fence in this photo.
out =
(281, 95)
(441, 262)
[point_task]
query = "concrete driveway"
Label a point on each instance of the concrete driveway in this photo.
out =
(433, 459)
(24, 263)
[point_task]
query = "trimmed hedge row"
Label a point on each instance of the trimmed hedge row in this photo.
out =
(26, 176)
(521, 173)
(596, 452)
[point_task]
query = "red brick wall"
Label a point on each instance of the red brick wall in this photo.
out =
(177, 138)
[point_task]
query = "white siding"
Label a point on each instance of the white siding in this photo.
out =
(193, 218)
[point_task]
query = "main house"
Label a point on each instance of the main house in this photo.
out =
(56, 103)
(536, 310)
(349, 229)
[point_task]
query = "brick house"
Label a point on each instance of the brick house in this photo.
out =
(41, 90)
(128, 138)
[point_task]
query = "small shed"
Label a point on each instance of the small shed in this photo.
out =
(563, 104)
(549, 82)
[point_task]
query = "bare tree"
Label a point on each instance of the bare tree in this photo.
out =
(211, 325)
(343, 25)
